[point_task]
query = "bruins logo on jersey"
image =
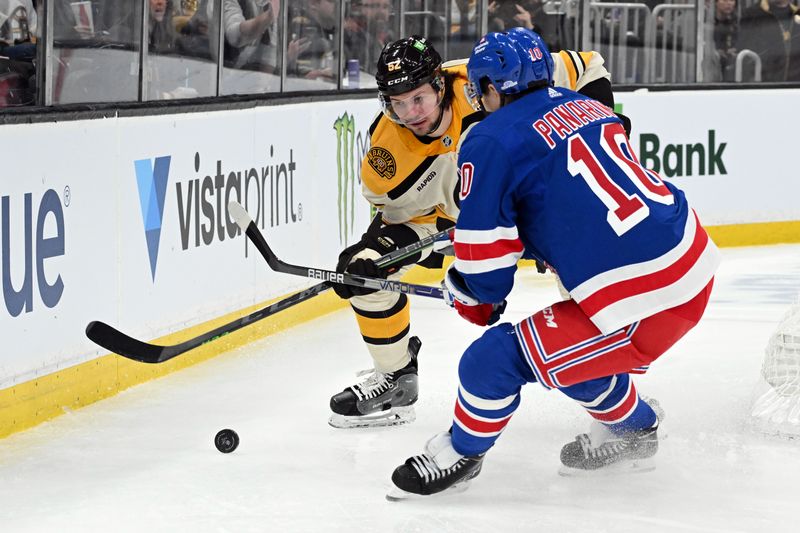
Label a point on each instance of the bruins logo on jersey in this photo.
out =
(382, 161)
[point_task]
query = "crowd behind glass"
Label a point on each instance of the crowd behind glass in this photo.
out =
(94, 51)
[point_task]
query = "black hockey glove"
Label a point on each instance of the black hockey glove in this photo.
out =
(359, 267)
(380, 243)
(363, 267)
(626, 124)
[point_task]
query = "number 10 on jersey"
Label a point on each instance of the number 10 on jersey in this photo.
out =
(624, 210)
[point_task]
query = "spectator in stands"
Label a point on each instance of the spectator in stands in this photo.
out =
(194, 32)
(119, 25)
(771, 28)
(249, 40)
(464, 30)
(17, 27)
(366, 31)
(312, 29)
(464, 15)
(726, 29)
(506, 14)
(163, 38)
(183, 12)
(17, 50)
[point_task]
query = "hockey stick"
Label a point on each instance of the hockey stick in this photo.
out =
(249, 227)
(118, 342)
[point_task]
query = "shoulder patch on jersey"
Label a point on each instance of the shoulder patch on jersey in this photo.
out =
(382, 161)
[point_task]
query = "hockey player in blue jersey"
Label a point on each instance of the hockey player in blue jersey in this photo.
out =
(550, 175)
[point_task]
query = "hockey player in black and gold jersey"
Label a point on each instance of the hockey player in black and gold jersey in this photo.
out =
(410, 175)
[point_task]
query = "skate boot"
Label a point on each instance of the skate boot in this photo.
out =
(380, 399)
(440, 468)
(602, 450)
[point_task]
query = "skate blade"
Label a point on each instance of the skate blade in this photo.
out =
(630, 466)
(397, 494)
(395, 416)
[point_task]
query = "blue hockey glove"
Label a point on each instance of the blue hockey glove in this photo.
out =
(459, 297)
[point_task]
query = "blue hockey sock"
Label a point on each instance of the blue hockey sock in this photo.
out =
(613, 401)
(479, 422)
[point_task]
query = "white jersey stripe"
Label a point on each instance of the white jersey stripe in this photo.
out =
(476, 236)
(610, 277)
(484, 404)
(626, 311)
(487, 265)
(473, 416)
(616, 405)
(597, 401)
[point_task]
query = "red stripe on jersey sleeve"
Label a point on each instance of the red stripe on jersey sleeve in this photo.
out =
(477, 252)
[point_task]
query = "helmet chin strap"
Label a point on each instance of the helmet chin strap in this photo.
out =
(438, 120)
(441, 111)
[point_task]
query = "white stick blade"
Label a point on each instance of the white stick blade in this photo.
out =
(239, 214)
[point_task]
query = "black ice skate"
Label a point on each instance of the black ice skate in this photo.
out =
(381, 399)
(609, 453)
(440, 468)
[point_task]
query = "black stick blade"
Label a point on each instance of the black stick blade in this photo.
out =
(117, 342)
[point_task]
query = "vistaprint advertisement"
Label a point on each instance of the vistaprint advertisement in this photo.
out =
(126, 221)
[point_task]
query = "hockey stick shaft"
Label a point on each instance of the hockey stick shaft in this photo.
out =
(249, 227)
(118, 342)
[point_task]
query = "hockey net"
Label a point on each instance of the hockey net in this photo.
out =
(776, 409)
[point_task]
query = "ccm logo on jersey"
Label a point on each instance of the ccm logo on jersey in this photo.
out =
(467, 171)
(549, 317)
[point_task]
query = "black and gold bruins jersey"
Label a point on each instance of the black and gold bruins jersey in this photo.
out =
(413, 179)
(575, 70)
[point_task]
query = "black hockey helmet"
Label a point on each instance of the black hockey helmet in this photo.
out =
(406, 64)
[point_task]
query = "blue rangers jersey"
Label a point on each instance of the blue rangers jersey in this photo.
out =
(552, 177)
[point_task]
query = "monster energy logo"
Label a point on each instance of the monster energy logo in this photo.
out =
(350, 148)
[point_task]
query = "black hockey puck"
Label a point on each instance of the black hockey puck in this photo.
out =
(226, 440)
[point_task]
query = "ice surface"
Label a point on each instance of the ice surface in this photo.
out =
(145, 460)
